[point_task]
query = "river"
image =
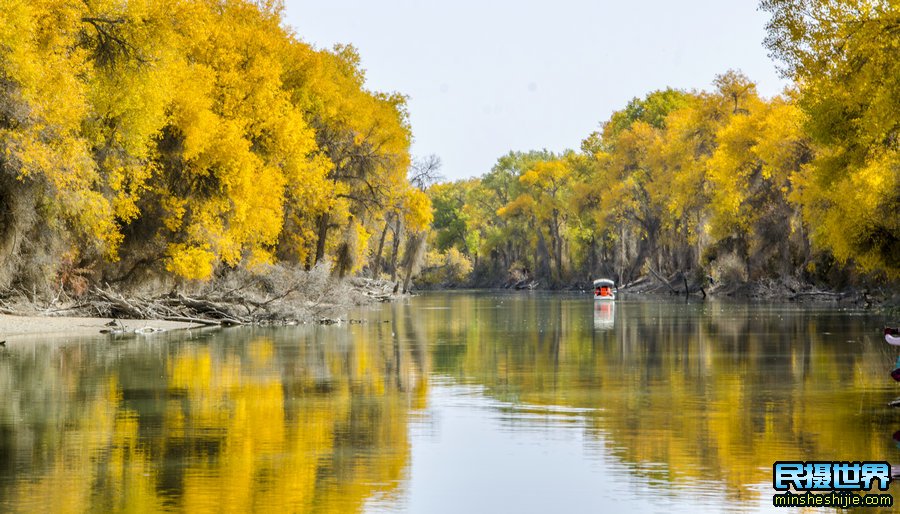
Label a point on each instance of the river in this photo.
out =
(450, 402)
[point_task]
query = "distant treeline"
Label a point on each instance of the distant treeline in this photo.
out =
(722, 185)
(172, 138)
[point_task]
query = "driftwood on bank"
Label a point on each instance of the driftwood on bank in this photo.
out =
(281, 296)
(662, 280)
(374, 289)
(680, 283)
(205, 310)
(816, 295)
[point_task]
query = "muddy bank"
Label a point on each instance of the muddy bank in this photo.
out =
(21, 328)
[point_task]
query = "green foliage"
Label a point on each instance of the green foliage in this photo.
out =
(450, 222)
(652, 110)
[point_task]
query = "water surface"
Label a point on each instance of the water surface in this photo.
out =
(453, 402)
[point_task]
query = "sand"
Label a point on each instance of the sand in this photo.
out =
(21, 328)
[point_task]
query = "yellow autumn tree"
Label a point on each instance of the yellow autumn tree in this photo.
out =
(365, 138)
(133, 140)
(49, 182)
(843, 57)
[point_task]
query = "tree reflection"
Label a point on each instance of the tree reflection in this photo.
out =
(712, 391)
(292, 419)
(317, 418)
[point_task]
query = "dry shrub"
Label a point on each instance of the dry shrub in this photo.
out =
(458, 267)
(72, 278)
(728, 271)
(516, 272)
(288, 292)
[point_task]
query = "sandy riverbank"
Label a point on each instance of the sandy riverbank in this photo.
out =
(20, 328)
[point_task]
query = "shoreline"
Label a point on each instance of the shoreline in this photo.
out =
(759, 290)
(858, 299)
(16, 328)
(290, 297)
(32, 326)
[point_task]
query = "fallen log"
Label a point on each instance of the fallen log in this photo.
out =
(664, 281)
(816, 294)
(199, 321)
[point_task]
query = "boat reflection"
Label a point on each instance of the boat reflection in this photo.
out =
(604, 315)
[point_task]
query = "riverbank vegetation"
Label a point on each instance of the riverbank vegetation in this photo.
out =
(172, 142)
(718, 187)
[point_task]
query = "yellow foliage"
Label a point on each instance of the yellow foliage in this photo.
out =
(757, 155)
(190, 261)
(417, 209)
(226, 138)
(459, 267)
(844, 60)
(358, 239)
(522, 205)
(259, 260)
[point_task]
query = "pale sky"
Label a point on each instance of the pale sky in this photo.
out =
(486, 77)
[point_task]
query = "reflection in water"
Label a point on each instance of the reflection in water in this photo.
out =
(686, 395)
(666, 402)
(604, 315)
(295, 419)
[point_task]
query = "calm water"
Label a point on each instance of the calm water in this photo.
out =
(450, 403)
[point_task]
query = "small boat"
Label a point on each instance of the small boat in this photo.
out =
(892, 336)
(604, 289)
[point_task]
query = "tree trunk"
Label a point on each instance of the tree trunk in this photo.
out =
(376, 268)
(556, 245)
(623, 256)
(542, 257)
(412, 257)
(592, 257)
(322, 237)
(396, 249)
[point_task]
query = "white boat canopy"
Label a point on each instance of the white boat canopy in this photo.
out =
(604, 282)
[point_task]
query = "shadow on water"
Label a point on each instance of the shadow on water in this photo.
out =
(677, 395)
